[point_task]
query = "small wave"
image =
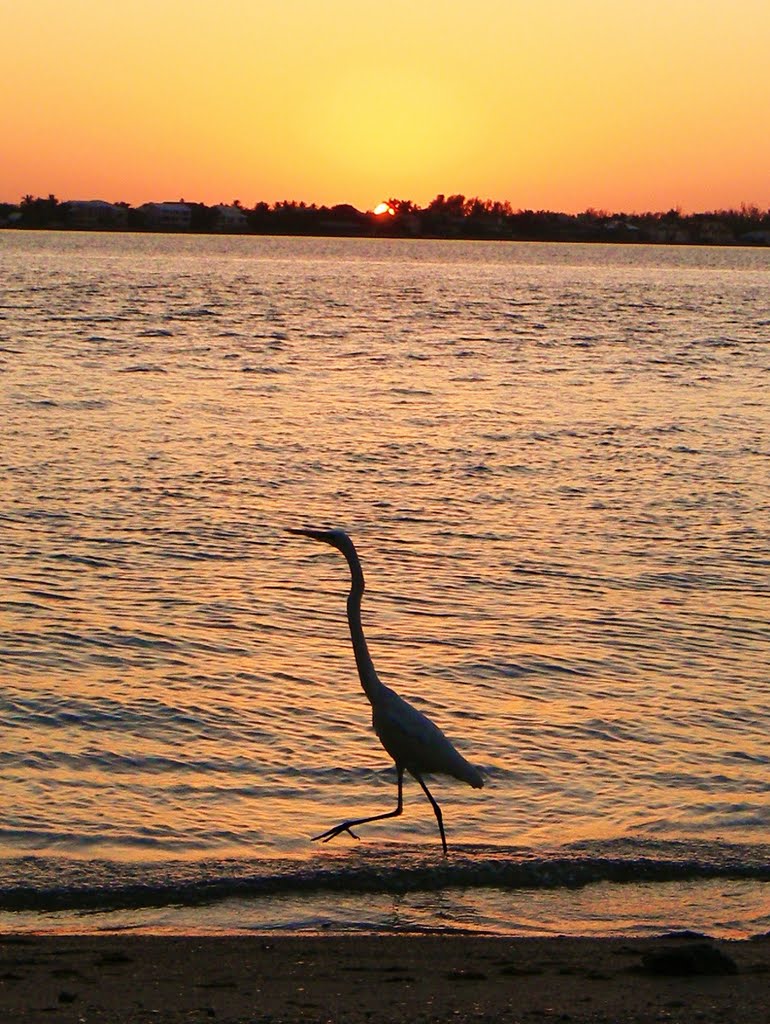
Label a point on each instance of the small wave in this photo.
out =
(108, 886)
(194, 313)
(142, 368)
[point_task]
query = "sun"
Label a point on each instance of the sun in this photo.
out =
(384, 208)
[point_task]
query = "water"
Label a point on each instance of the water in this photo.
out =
(554, 461)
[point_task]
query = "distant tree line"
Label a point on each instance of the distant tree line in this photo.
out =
(453, 216)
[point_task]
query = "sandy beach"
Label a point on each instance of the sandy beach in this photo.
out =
(371, 978)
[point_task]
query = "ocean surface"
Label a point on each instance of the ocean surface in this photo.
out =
(554, 461)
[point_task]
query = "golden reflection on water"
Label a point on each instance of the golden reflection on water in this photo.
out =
(597, 910)
(556, 482)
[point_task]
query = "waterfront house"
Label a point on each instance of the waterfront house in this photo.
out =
(166, 216)
(94, 215)
(229, 218)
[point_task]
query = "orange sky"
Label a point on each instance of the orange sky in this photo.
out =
(558, 104)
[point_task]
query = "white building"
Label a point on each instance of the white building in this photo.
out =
(229, 218)
(166, 216)
(93, 214)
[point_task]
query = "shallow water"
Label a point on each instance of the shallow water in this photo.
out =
(553, 459)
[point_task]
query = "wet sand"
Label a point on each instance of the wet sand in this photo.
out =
(129, 978)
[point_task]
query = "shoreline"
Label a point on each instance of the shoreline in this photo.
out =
(128, 979)
(618, 239)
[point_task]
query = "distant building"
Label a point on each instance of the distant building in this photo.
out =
(94, 215)
(668, 233)
(621, 230)
(755, 238)
(166, 216)
(229, 218)
(344, 219)
(712, 232)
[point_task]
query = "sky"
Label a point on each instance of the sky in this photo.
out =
(620, 105)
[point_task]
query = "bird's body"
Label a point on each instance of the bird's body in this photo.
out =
(414, 742)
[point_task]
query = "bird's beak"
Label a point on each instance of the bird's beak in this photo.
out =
(306, 531)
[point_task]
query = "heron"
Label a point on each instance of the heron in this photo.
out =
(414, 742)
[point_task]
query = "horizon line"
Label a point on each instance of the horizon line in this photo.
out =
(743, 208)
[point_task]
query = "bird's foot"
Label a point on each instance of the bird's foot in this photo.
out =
(335, 831)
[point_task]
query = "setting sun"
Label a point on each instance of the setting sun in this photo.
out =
(382, 208)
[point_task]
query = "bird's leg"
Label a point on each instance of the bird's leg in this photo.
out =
(347, 826)
(436, 811)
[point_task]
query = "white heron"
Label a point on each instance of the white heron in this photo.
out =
(412, 740)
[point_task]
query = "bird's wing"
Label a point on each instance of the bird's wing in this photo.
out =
(416, 743)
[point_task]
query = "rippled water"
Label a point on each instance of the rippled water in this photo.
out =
(554, 461)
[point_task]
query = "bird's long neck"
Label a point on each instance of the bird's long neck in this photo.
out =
(366, 672)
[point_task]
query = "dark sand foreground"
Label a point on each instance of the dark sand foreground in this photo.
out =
(125, 978)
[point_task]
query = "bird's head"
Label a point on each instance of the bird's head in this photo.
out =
(336, 538)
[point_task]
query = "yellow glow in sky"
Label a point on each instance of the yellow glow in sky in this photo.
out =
(560, 104)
